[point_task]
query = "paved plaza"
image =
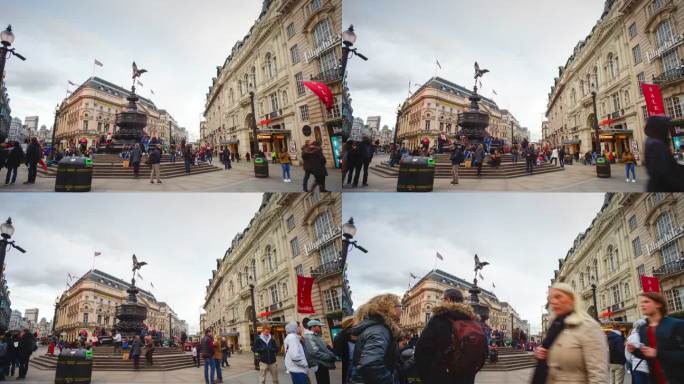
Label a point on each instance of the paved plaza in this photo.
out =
(238, 179)
(575, 178)
(241, 371)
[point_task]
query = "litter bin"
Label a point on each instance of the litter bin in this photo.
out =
(73, 367)
(416, 174)
(74, 174)
(568, 159)
(260, 167)
(602, 168)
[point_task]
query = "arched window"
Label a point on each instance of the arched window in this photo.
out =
(246, 273)
(582, 282)
(240, 280)
(254, 77)
(582, 88)
(231, 288)
(596, 79)
(612, 258)
(628, 293)
(321, 33)
(270, 63)
(669, 252)
(574, 286)
(596, 270)
(612, 65)
(254, 273)
(574, 96)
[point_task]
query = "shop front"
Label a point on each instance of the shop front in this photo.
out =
(277, 332)
(334, 323)
(616, 140)
(572, 146)
(271, 140)
(677, 134)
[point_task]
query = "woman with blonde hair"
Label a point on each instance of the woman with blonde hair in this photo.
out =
(575, 349)
(376, 354)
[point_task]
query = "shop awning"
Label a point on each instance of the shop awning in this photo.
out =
(230, 334)
(572, 142)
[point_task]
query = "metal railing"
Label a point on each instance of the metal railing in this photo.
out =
(670, 268)
(328, 76)
(328, 268)
(670, 76)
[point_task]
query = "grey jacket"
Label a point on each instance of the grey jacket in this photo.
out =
(136, 155)
(317, 353)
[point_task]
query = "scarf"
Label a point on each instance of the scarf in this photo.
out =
(541, 371)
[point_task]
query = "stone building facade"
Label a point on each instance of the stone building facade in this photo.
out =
(291, 235)
(90, 112)
(292, 41)
(632, 235)
(426, 293)
(634, 41)
(434, 109)
(90, 304)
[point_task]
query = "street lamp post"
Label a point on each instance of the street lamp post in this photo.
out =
(6, 232)
(396, 126)
(597, 140)
(512, 134)
(348, 40)
(512, 327)
(54, 131)
(6, 39)
(54, 317)
(254, 322)
(255, 144)
(593, 294)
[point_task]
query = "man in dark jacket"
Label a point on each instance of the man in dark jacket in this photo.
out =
(27, 345)
(33, 156)
(15, 158)
(376, 353)
(561, 156)
(616, 347)
(135, 158)
(436, 338)
(368, 151)
(342, 346)
(314, 164)
(457, 158)
(206, 352)
(665, 175)
(155, 163)
(265, 346)
(662, 340)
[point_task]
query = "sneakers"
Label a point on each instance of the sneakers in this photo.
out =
(633, 180)
(626, 180)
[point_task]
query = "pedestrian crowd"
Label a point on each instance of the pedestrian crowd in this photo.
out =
(16, 349)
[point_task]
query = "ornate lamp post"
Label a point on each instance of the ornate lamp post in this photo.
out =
(396, 126)
(6, 232)
(255, 145)
(597, 140)
(348, 232)
(54, 317)
(593, 294)
(7, 39)
(348, 40)
(254, 322)
(54, 131)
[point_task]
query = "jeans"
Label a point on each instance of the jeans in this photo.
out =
(562, 162)
(639, 377)
(366, 164)
(209, 363)
(23, 366)
(299, 378)
(173, 157)
(307, 174)
(136, 169)
(529, 167)
(217, 365)
(630, 167)
(32, 171)
(286, 171)
(357, 174)
(187, 165)
(13, 172)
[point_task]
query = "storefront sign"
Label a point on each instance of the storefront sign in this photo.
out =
(652, 55)
(670, 237)
(330, 235)
(328, 43)
(336, 142)
(304, 303)
(293, 150)
(654, 99)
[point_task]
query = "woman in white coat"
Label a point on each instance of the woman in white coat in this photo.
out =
(638, 367)
(295, 359)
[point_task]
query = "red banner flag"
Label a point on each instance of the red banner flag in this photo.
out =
(304, 285)
(654, 99)
(650, 284)
(322, 91)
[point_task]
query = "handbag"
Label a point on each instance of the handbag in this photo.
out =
(126, 163)
(469, 163)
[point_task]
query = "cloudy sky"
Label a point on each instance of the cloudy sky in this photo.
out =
(179, 235)
(521, 235)
(179, 45)
(521, 42)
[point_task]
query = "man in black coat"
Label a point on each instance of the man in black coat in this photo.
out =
(33, 156)
(665, 175)
(15, 158)
(436, 338)
(27, 345)
(368, 151)
(616, 348)
(266, 347)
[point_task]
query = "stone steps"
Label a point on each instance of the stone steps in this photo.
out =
(443, 171)
(167, 170)
(106, 360)
(511, 360)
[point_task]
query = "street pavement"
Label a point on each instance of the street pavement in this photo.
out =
(238, 179)
(241, 371)
(575, 178)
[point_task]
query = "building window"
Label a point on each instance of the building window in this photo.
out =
(663, 225)
(274, 294)
(632, 30)
(315, 4)
(283, 290)
(332, 299)
(299, 270)
(328, 61)
(641, 271)
(99, 319)
(335, 112)
(321, 33)
(274, 103)
(674, 299)
(636, 246)
(644, 112)
(616, 102)
(670, 61)
(328, 253)
(427, 125)
(641, 78)
(664, 34)
(294, 54)
(290, 223)
(627, 292)
(322, 225)
(616, 294)
(85, 317)
(304, 112)
(636, 53)
(613, 68)
(290, 30)
(294, 247)
(632, 223)
(670, 253)
(85, 125)
(299, 80)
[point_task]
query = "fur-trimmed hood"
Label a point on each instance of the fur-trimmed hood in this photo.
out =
(455, 311)
(370, 315)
